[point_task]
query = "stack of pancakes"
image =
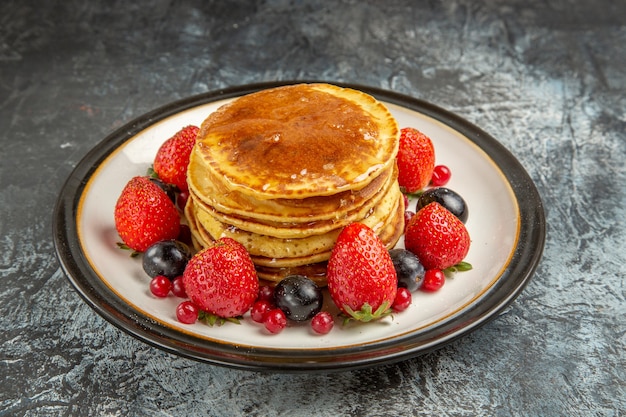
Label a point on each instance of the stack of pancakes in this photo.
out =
(283, 170)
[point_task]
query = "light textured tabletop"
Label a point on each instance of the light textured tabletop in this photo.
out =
(547, 79)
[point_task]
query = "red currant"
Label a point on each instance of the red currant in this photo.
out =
(259, 309)
(160, 286)
(403, 300)
(433, 280)
(178, 288)
(181, 201)
(441, 176)
(275, 320)
(322, 322)
(184, 235)
(266, 293)
(187, 312)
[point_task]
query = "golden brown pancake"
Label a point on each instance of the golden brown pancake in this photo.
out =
(270, 246)
(298, 141)
(312, 266)
(305, 225)
(212, 193)
(283, 170)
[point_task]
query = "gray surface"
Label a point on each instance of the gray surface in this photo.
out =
(545, 78)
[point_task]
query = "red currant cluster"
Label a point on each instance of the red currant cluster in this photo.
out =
(265, 311)
(160, 286)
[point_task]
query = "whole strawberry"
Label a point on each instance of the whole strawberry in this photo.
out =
(221, 279)
(144, 215)
(416, 160)
(437, 237)
(172, 158)
(361, 277)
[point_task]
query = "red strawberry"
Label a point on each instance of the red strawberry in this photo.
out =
(221, 279)
(172, 158)
(416, 160)
(437, 237)
(144, 215)
(361, 278)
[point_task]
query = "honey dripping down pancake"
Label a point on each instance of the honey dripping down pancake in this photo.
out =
(284, 170)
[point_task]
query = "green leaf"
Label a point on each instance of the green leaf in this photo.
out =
(213, 320)
(152, 173)
(208, 318)
(235, 320)
(460, 267)
(463, 266)
(416, 194)
(383, 310)
(124, 246)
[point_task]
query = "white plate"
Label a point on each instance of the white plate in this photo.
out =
(506, 224)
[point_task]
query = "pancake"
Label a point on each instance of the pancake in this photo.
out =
(298, 227)
(284, 170)
(390, 235)
(314, 266)
(212, 193)
(297, 141)
(270, 246)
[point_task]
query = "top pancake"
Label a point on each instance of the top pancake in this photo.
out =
(298, 141)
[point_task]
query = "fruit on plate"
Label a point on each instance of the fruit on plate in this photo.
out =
(416, 160)
(361, 277)
(433, 280)
(438, 238)
(144, 215)
(409, 270)
(365, 280)
(160, 286)
(166, 257)
(275, 320)
(178, 288)
(299, 297)
(187, 312)
(447, 198)
(441, 175)
(403, 300)
(169, 189)
(172, 158)
(221, 279)
(259, 309)
(322, 322)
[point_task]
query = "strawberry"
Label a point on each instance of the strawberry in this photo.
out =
(144, 215)
(221, 279)
(361, 277)
(416, 160)
(437, 237)
(172, 158)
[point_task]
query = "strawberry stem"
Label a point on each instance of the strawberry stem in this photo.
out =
(212, 319)
(365, 314)
(124, 246)
(415, 194)
(152, 173)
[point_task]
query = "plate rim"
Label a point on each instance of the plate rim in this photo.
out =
(514, 278)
